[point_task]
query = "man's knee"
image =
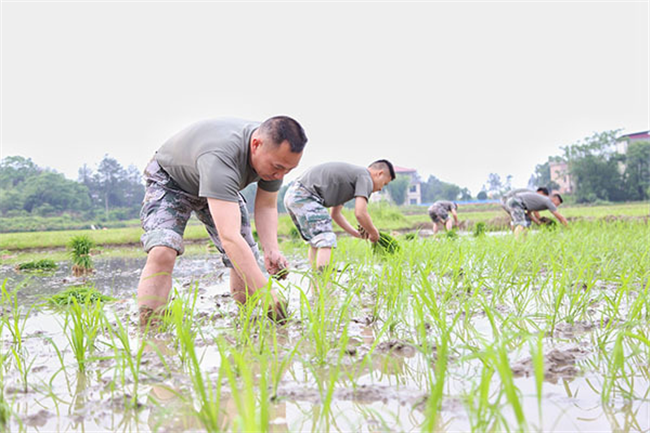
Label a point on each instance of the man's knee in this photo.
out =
(162, 257)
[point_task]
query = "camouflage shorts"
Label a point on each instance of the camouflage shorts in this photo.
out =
(310, 216)
(166, 208)
(517, 211)
(438, 214)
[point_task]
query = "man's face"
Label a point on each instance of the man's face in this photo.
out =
(556, 201)
(380, 180)
(272, 162)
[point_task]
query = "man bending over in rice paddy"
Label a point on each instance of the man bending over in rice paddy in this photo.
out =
(524, 207)
(203, 168)
(504, 199)
(330, 185)
(439, 214)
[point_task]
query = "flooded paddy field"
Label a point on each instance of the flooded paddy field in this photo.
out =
(487, 333)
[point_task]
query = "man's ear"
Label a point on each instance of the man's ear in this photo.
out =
(256, 143)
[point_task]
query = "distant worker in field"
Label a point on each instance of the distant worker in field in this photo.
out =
(203, 168)
(504, 199)
(524, 207)
(330, 185)
(439, 214)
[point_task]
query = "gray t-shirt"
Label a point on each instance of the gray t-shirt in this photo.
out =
(337, 182)
(536, 202)
(446, 205)
(211, 159)
(514, 192)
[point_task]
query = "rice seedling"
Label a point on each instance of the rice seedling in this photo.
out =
(83, 322)
(252, 412)
(16, 317)
(80, 247)
(127, 358)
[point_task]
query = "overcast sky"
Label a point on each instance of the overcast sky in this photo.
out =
(457, 90)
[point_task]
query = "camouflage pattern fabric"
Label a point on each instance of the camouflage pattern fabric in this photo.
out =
(517, 211)
(310, 216)
(438, 214)
(166, 208)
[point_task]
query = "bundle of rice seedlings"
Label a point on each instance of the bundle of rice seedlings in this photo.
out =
(81, 294)
(37, 265)
(451, 234)
(385, 245)
(82, 263)
(479, 229)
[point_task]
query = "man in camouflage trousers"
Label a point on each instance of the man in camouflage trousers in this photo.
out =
(202, 169)
(330, 185)
(524, 207)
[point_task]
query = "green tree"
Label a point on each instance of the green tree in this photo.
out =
(51, 192)
(435, 189)
(593, 165)
(637, 171)
(398, 188)
(14, 170)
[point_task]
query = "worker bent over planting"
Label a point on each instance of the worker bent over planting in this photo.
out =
(202, 169)
(524, 207)
(439, 214)
(330, 185)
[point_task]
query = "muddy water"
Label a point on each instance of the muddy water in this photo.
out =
(386, 392)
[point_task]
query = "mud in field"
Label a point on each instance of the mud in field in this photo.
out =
(380, 380)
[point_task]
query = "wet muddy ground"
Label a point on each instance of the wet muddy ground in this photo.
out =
(376, 375)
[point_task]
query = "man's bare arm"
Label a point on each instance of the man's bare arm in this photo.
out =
(340, 219)
(561, 218)
(266, 222)
(362, 215)
(266, 218)
(227, 219)
(534, 215)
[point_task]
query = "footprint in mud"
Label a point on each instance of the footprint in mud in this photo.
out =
(558, 364)
(396, 348)
(38, 419)
(568, 330)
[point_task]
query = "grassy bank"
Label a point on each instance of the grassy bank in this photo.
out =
(385, 217)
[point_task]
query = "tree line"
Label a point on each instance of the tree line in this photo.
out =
(111, 192)
(599, 172)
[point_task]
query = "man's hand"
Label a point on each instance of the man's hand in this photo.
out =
(278, 312)
(276, 264)
(373, 237)
(363, 234)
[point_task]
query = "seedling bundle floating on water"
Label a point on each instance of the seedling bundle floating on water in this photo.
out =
(80, 294)
(42, 265)
(385, 245)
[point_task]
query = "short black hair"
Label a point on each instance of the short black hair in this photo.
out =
(383, 164)
(284, 128)
(559, 197)
(543, 190)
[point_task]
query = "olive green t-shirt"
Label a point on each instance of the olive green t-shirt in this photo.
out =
(337, 182)
(210, 158)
